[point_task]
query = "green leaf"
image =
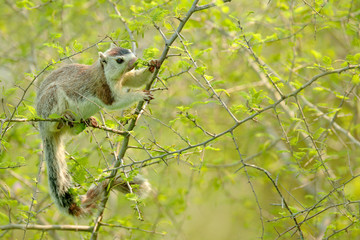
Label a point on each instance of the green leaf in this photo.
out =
(113, 15)
(77, 46)
(326, 60)
(355, 79)
(9, 92)
(31, 110)
(150, 53)
(316, 54)
(20, 160)
(299, 155)
(296, 119)
(341, 96)
(212, 148)
(132, 197)
(318, 89)
(140, 63)
(183, 108)
(78, 128)
(222, 90)
(318, 133)
(158, 14)
(25, 4)
(54, 116)
(200, 70)
(310, 197)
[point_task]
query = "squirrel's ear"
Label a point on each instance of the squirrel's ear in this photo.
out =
(112, 45)
(102, 57)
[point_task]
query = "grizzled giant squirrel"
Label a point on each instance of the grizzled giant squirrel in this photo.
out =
(77, 92)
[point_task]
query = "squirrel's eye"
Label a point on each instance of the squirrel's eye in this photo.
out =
(119, 60)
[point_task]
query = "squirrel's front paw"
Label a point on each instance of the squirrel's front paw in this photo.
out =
(147, 95)
(91, 121)
(154, 64)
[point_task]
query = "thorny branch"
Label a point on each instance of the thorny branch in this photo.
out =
(103, 127)
(244, 165)
(34, 197)
(75, 228)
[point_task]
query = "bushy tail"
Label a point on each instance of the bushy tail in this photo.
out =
(60, 180)
(95, 192)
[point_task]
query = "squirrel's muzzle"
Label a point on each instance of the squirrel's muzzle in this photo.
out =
(131, 63)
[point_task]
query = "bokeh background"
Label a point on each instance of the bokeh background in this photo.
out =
(243, 154)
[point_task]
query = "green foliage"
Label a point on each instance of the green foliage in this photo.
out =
(253, 132)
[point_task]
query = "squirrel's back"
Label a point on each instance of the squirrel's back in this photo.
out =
(75, 84)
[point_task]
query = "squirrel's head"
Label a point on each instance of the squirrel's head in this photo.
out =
(116, 61)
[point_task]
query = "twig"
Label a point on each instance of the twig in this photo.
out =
(281, 196)
(130, 228)
(33, 199)
(250, 183)
(105, 128)
(312, 8)
(210, 5)
(133, 42)
(262, 66)
(205, 78)
(75, 228)
(17, 166)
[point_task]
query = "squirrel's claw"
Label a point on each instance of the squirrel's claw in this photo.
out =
(154, 64)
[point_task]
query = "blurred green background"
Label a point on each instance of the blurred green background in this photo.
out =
(247, 53)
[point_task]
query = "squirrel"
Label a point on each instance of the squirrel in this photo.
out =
(76, 92)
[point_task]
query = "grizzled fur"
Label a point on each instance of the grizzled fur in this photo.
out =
(77, 92)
